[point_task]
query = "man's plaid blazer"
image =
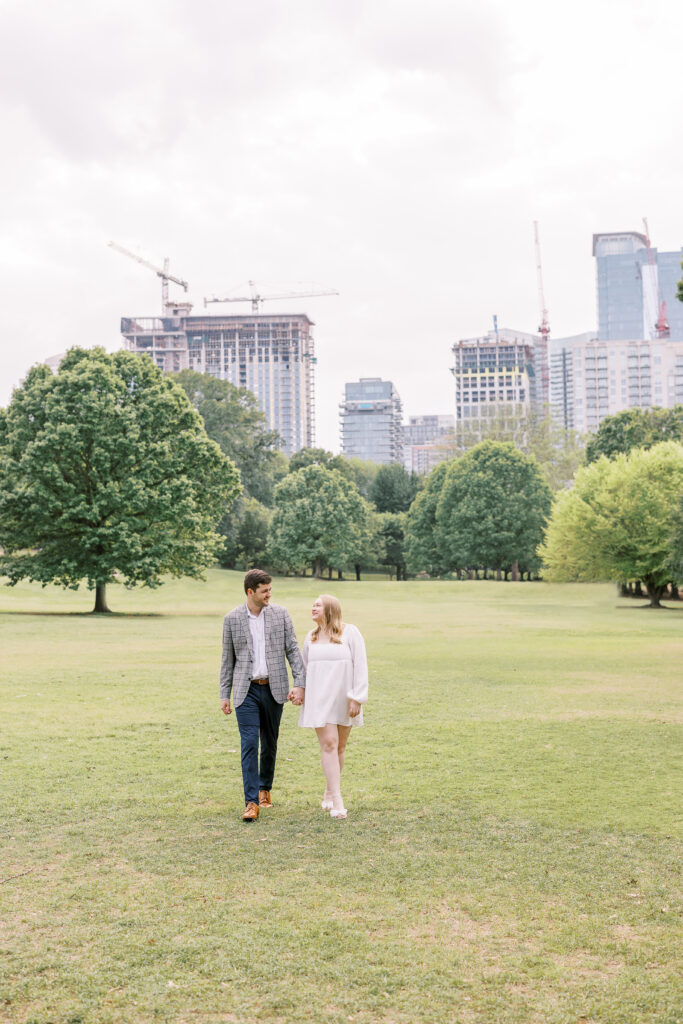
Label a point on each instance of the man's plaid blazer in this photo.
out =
(238, 654)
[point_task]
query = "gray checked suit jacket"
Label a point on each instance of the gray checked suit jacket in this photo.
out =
(238, 654)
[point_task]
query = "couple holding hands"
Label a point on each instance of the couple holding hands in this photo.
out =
(330, 685)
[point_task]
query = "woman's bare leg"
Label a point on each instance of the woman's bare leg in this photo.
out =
(328, 737)
(343, 732)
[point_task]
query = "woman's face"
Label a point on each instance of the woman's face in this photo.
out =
(317, 611)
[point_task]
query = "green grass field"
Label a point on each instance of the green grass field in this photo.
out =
(512, 852)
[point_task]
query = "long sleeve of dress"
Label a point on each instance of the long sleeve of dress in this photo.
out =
(359, 686)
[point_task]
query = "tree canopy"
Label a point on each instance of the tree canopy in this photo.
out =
(318, 520)
(394, 488)
(618, 520)
(106, 472)
(635, 428)
(232, 418)
(245, 529)
(391, 537)
(492, 509)
(362, 473)
(421, 542)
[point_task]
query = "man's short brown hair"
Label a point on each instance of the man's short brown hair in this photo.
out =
(256, 578)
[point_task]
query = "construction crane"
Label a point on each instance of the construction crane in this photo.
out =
(256, 299)
(163, 273)
(661, 323)
(544, 326)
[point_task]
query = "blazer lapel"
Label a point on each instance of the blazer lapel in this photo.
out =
(247, 631)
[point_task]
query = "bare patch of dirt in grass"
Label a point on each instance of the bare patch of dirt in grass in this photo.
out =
(445, 922)
(626, 933)
(587, 966)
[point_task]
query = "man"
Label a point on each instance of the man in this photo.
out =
(256, 638)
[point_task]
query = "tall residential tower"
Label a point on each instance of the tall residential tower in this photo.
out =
(271, 355)
(371, 421)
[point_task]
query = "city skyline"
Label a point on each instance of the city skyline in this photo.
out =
(399, 156)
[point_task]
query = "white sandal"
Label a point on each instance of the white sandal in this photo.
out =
(340, 814)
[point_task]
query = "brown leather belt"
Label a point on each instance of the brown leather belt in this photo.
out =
(261, 682)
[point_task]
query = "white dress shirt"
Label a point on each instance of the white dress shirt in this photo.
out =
(257, 628)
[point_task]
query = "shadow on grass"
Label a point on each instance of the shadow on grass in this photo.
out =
(649, 608)
(90, 615)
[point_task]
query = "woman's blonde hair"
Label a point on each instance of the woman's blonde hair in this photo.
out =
(332, 620)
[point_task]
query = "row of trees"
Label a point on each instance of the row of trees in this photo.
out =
(110, 470)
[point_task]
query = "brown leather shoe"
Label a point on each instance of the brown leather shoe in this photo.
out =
(250, 812)
(264, 798)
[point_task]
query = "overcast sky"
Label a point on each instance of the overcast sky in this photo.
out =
(396, 151)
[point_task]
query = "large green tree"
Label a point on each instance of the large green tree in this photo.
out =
(617, 521)
(318, 521)
(421, 542)
(106, 472)
(635, 428)
(394, 488)
(391, 535)
(492, 509)
(233, 419)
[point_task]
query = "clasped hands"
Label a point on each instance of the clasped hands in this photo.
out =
(296, 695)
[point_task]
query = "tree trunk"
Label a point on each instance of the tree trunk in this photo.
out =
(318, 569)
(622, 589)
(329, 573)
(654, 592)
(675, 596)
(340, 574)
(515, 572)
(498, 575)
(101, 600)
(638, 589)
(357, 568)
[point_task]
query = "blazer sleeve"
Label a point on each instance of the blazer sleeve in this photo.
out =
(359, 686)
(227, 660)
(304, 652)
(293, 654)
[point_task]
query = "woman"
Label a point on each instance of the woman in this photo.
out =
(336, 689)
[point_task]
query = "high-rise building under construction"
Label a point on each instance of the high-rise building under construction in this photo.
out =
(271, 355)
(501, 372)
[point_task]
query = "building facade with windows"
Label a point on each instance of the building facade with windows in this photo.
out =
(592, 378)
(421, 437)
(370, 421)
(499, 372)
(271, 355)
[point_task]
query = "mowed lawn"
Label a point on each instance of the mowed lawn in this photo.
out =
(513, 846)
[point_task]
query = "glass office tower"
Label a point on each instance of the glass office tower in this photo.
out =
(632, 282)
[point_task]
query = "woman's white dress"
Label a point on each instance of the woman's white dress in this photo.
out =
(335, 673)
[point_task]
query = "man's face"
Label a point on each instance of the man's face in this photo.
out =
(261, 596)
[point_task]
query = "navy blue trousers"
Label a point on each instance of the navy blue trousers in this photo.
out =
(258, 718)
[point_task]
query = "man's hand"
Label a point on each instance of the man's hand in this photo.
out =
(225, 707)
(354, 708)
(297, 694)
